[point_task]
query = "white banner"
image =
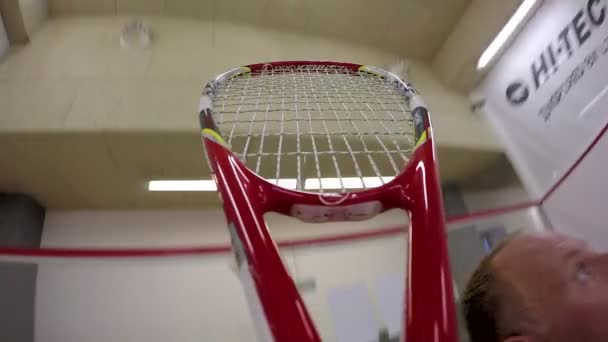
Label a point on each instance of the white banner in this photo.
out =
(546, 96)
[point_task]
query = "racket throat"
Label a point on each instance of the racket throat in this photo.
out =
(331, 213)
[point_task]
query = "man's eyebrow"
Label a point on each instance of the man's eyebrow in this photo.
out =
(571, 253)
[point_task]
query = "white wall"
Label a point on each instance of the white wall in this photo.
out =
(347, 265)
(195, 298)
(153, 228)
(3, 39)
(480, 200)
(578, 205)
(531, 219)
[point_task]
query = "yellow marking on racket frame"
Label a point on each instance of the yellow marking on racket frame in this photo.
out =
(245, 70)
(214, 135)
(421, 140)
(364, 68)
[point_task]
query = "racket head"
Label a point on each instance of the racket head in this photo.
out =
(317, 126)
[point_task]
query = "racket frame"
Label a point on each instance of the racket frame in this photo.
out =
(274, 301)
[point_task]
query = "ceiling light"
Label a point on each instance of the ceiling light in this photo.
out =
(182, 185)
(289, 183)
(522, 12)
(135, 35)
(347, 182)
(204, 184)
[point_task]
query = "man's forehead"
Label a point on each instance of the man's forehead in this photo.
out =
(536, 248)
(536, 267)
(552, 241)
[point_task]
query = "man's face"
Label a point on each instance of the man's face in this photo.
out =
(563, 282)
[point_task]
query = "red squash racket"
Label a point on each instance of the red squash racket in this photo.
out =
(325, 141)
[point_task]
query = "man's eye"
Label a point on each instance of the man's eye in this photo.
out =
(583, 271)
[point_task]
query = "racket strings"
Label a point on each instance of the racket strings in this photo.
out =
(321, 129)
(366, 151)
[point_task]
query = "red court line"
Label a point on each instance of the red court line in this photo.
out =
(219, 249)
(491, 212)
(377, 233)
(112, 252)
(184, 251)
(576, 164)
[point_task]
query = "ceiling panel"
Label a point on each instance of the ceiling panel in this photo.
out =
(145, 7)
(456, 62)
(415, 28)
(241, 12)
(355, 21)
(189, 8)
(287, 15)
(68, 7)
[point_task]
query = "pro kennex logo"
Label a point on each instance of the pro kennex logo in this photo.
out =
(304, 68)
(574, 35)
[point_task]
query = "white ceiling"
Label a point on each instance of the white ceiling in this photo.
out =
(449, 34)
(456, 62)
(97, 122)
(414, 28)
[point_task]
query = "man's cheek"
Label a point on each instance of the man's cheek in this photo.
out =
(596, 315)
(589, 309)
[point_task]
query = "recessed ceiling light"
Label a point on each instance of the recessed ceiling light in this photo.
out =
(182, 185)
(135, 35)
(289, 183)
(204, 184)
(348, 182)
(503, 36)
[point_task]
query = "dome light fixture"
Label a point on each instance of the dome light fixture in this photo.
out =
(135, 35)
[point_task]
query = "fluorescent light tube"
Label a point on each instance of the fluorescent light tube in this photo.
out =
(204, 184)
(505, 33)
(348, 182)
(182, 185)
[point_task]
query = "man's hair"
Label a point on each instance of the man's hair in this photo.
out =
(490, 304)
